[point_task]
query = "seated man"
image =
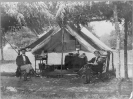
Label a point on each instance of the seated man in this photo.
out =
(23, 62)
(96, 64)
(85, 58)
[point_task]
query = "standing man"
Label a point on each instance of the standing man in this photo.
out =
(23, 62)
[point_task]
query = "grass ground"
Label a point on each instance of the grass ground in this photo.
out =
(68, 87)
(62, 88)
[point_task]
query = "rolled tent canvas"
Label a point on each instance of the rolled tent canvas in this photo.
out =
(95, 39)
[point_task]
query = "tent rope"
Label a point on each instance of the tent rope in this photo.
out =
(11, 45)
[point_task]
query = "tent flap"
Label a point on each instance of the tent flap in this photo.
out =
(52, 41)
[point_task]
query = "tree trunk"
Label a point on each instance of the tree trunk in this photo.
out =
(132, 27)
(117, 29)
(4, 42)
(132, 46)
(1, 35)
(131, 95)
(125, 50)
(118, 74)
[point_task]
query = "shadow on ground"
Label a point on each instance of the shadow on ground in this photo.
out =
(68, 87)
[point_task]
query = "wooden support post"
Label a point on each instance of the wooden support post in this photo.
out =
(113, 68)
(35, 63)
(108, 60)
(125, 49)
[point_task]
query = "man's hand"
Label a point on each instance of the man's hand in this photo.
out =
(19, 68)
(95, 63)
(89, 62)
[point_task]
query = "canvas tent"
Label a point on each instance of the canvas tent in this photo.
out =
(52, 41)
(66, 40)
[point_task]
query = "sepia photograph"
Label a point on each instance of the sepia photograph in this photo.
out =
(66, 49)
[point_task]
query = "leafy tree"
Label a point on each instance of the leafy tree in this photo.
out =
(106, 39)
(21, 38)
(110, 40)
(91, 29)
(125, 12)
(34, 15)
(15, 15)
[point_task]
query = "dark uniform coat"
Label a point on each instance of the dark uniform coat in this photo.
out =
(20, 61)
(98, 67)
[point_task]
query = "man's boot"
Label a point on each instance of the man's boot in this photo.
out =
(25, 76)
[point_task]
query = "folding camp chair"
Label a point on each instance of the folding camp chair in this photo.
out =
(26, 75)
(88, 75)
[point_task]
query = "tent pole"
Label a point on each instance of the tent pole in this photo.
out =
(62, 49)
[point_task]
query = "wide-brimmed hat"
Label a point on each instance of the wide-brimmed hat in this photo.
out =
(97, 51)
(22, 49)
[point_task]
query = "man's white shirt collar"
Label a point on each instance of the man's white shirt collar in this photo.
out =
(24, 57)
